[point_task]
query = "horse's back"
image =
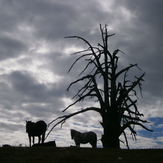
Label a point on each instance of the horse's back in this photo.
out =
(41, 124)
(36, 129)
(88, 137)
(40, 127)
(92, 135)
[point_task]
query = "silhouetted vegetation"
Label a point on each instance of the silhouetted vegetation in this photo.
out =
(80, 155)
(111, 87)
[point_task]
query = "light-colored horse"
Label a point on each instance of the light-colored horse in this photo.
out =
(84, 138)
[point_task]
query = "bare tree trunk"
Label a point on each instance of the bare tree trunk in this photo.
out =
(110, 138)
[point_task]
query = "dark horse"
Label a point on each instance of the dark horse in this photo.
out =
(36, 129)
(83, 138)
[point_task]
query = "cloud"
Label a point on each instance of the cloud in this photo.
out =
(9, 44)
(35, 58)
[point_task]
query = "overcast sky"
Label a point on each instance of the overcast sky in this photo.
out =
(35, 58)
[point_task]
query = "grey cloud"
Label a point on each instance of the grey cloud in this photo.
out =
(10, 47)
(28, 86)
(11, 127)
(24, 24)
(142, 42)
(57, 19)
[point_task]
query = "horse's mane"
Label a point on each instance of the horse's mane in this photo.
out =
(74, 132)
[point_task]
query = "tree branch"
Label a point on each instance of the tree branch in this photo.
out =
(91, 48)
(125, 69)
(65, 117)
(132, 123)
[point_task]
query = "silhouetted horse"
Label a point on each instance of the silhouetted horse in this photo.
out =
(83, 138)
(36, 129)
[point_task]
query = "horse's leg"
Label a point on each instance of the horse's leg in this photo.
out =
(94, 145)
(43, 137)
(94, 142)
(29, 140)
(77, 144)
(33, 140)
(39, 139)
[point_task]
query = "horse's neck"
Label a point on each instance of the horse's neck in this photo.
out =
(77, 133)
(33, 123)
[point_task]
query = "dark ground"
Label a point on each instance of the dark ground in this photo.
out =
(78, 155)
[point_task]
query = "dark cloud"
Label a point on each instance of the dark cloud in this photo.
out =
(36, 96)
(141, 41)
(27, 85)
(11, 47)
(10, 127)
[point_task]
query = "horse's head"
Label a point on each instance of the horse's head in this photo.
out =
(73, 132)
(28, 125)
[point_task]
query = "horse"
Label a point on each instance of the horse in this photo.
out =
(84, 138)
(36, 129)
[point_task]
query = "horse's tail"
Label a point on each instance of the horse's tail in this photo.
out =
(94, 145)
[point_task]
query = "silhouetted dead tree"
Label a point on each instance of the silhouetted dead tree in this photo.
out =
(116, 93)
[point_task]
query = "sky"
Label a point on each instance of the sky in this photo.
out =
(35, 57)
